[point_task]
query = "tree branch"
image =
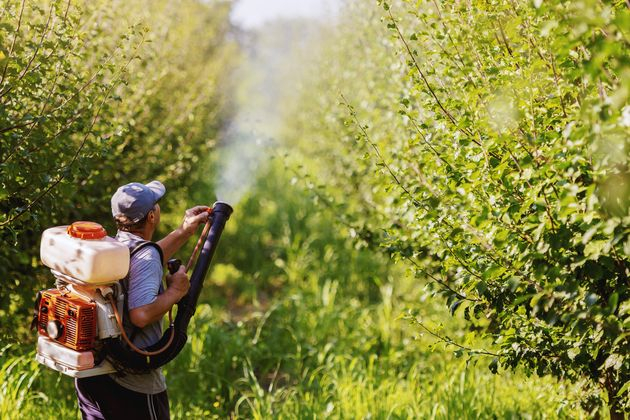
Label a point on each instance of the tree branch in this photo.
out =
(30, 61)
(440, 281)
(378, 152)
(62, 176)
(424, 79)
(448, 341)
(17, 33)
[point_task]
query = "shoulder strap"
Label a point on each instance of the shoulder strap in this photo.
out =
(144, 244)
(125, 282)
(133, 251)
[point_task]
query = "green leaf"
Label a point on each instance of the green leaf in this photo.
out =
(625, 388)
(494, 365)
(593, 249)
(454, 306)
(573, 352)
(612, 301)
(614, 362)
(493, 272)
(513, 283)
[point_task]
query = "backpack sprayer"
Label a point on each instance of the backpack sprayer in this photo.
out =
(80, 323)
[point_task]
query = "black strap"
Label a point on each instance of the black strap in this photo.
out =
(133, 251)
(145, 244)
(35, 320)
(137, 246)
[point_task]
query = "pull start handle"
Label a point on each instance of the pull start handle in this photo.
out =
(173, 265)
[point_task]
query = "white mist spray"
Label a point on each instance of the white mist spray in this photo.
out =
(240, 158)
(264, 83)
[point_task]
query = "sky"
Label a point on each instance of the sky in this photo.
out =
(253, 13)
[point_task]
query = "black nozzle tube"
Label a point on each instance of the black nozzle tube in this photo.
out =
(124, 358)
(186, 307)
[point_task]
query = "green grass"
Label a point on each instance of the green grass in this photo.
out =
(299, 323)
(310, 354)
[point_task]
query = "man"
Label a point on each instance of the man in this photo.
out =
(141, 396)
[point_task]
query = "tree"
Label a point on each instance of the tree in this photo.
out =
(93, 95)
(486, 145)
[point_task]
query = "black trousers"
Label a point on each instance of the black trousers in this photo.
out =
(100, 398)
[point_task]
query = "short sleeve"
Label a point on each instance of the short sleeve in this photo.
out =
(145, 277)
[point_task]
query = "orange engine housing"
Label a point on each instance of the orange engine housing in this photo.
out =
(70, 318)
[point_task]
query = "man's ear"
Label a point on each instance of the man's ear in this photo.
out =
(151, 216)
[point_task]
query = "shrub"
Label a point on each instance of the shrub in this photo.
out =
(486, 145)
(94, 95)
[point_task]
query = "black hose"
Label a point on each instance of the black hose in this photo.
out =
(123, 357)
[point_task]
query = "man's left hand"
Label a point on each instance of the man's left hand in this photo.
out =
(194, 217)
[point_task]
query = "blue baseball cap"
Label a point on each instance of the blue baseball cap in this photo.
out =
(136, 200)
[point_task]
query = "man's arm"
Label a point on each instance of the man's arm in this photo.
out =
(174, 240)
(178, 286)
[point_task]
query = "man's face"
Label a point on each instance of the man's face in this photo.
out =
(156, 213)
(153, 220)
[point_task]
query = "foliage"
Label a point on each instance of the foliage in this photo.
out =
(313, 342)
(519, 227)
(486, 145)
(87, 104)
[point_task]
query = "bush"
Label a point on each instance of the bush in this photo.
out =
(94, 95)
(486, 146)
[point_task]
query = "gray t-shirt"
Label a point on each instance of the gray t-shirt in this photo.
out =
(145, 284)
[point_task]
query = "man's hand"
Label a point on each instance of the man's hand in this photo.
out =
(178, 283)
(174, 240)
(194, 217)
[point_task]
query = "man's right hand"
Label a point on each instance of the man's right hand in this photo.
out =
(178, 282)
(193, 218)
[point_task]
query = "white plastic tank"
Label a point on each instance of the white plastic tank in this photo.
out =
(84, 252)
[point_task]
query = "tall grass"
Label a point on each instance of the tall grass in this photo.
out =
(299, 323)
(29, 391)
